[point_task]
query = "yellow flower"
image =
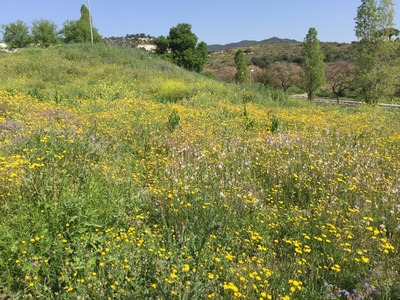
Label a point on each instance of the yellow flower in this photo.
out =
(185, 268)
(231, 286)
(365, 259)
(228, 256)
(296, 283)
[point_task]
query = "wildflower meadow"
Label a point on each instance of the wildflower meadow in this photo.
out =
(125, 177)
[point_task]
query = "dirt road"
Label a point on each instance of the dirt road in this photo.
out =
(346, 102)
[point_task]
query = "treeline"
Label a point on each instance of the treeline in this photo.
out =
(368, 70)
(44, 33)
(286, 72)
(332, 52)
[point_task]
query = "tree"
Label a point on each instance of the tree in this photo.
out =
(375, 57)
(242, 72)
(184, 50)
(16, 34)
(79, 31)
(389, 33)
(44, 33)
(162, 44)
(194, 59)
(313, 64)
(285, 74)
(339, 75)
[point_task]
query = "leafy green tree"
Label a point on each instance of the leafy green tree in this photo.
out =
(44, 33)
(184, 50)
(242, 73)
(162, 44)
(194, 59)
(78, 31)
(375, 59)
(313, 64)
(16, 34)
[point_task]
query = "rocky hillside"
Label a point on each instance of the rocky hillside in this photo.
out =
(132, 41)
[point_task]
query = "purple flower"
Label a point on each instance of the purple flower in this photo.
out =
(346, 293)
(35, 263)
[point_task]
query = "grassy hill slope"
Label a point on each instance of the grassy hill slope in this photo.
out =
(123, 176)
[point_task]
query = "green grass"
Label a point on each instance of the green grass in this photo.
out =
(123, 176)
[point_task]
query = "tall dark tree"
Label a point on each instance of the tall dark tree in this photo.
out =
(314, 76)
(184, 50)
(375, 60)
(16, 34)
(78, 31)
(44, 33)
(242, 72)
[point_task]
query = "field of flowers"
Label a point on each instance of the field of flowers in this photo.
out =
(189, 189)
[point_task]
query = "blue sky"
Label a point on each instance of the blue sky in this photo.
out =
(215, 22)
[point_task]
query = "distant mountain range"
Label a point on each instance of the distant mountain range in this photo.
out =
(247, 43)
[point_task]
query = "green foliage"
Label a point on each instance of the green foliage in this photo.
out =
(242, 72)
(172, 91)
(314, 76)
(173, 120)
(185, 51)
(376, 57)
(16, 34)
(162, 44)
(275, 123)
(181, 38)
(367, 20)
(78, 31)
(45, 33)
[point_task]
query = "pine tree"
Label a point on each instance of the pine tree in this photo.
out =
(314, 73)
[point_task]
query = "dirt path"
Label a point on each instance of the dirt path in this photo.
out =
(345, 102)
